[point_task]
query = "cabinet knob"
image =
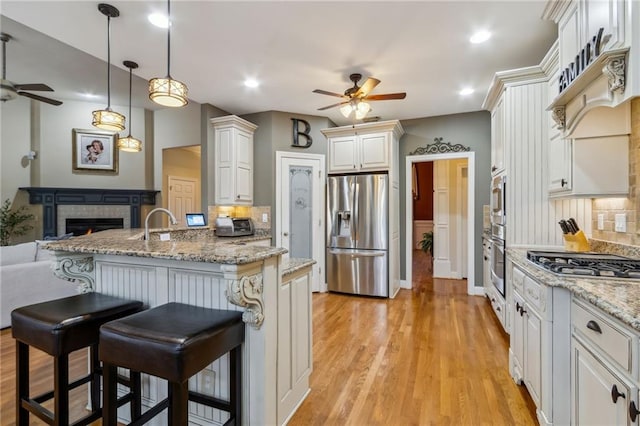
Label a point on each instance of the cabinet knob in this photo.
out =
(592, 325)
(354, 166)
(633, 411)
(522, 311)
(238, 197)
(615, 394)
(494, 168)
(518, 307)
(486, 258)
(498, 308)
(285, 234)
(563, 182)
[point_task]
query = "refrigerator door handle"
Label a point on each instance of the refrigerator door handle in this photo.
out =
(356, 211)
(357, 254)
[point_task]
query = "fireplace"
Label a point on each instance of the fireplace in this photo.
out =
(81, 226)
(60, 204)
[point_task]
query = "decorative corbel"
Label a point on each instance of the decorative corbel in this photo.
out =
(76, 268)
(614, 69)
(558, 115)
(247, 293)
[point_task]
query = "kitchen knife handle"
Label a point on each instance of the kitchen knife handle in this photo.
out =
(573, 223)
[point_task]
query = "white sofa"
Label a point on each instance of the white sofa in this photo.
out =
(26, 277)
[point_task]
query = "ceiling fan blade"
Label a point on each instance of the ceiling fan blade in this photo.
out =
(334, 105)
(40, 98)
(367, 86)
(324, 92)
(38, 87)
(385, 97)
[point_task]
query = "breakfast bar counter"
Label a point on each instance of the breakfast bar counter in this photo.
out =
(194, 266)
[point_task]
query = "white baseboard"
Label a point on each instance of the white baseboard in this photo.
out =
(477, 291)
(405, 284)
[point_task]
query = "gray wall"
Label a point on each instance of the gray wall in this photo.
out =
(469, 129)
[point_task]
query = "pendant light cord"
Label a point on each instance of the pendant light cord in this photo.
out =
(169, 39)
(108, 63)
(130, 80)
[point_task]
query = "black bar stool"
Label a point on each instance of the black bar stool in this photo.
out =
(174, 342)
(59, 327)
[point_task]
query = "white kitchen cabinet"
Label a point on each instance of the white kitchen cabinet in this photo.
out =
(604, 376)
(363, 147)
(233, 138)
(498, 137)
(589, 167)
(486, 264)
(295, 360)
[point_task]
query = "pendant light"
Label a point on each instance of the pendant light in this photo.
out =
(130, 144)
(167, 91)
(106, 118)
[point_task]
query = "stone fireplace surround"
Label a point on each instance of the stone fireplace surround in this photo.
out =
(61, 203)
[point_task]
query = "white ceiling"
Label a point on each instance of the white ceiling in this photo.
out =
(291, 47)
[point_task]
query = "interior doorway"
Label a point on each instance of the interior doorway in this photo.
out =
(453, 231)
(181, 182)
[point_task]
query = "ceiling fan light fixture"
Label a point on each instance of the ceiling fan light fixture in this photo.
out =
(346, 110)
(107, 119)
(167, 91)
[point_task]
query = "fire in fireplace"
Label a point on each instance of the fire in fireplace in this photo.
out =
(81, 226)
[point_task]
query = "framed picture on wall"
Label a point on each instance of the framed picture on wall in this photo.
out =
(94, 151)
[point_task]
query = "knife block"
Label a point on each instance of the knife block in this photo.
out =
(576, 242)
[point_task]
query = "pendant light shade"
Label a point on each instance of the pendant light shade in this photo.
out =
(167, 91)
(129, 143)
(108, 119)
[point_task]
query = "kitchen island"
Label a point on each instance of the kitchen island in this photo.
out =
(198, 268)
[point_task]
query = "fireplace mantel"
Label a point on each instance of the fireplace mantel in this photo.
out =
(50, 198)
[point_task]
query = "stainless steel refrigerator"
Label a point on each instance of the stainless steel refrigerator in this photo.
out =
(358, 234)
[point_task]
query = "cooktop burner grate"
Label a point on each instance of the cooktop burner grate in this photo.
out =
(586, 264)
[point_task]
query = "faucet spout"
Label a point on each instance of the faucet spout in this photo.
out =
(146, 221)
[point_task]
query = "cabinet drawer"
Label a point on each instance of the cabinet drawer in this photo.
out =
(534, 294)
(518, 279)
(607, 336)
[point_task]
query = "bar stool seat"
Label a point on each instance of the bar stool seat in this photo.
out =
(174, 342)
(59, 327)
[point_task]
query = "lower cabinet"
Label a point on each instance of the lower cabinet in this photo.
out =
(604, 376)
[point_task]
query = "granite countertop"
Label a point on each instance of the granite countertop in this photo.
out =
(291, 265)
(192, 245)
(619, 298)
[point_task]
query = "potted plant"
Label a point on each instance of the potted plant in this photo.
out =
(426, 244)
(12, 222)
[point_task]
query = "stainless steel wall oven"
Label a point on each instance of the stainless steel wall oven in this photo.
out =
(498, 230)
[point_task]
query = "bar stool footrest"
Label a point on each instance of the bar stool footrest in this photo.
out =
(210, 401)
(152, 412)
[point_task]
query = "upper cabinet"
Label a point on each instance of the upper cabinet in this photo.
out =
(497, 137)
(233, 160)
(598, 55)
(363, 147)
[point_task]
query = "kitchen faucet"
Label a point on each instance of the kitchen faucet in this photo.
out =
(146, 221)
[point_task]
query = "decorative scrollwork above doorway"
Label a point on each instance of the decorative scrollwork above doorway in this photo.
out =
(440, 147)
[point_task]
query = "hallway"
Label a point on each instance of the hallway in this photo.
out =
(433, 355)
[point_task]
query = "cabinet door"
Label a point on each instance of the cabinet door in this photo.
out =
(343, 152)
(497, 137)
(592, 387)
(225, 182)
(374, 151)
(244, 166)
(533, 354)
(518, 337)
(560, 165)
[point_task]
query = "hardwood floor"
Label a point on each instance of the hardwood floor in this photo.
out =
(432, 355)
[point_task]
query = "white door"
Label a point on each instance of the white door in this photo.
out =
(183, 197)
(441, 221)
(300, 195)
(462, 214)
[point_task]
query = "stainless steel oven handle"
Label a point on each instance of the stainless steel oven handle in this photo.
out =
(356, 254)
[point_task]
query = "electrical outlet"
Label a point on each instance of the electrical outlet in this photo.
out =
(165, 236)
(265, 218)
(207, 380)
(600, 221)
(621, 222)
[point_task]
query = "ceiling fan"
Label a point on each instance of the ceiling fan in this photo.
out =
(356, 98)
(10, 90)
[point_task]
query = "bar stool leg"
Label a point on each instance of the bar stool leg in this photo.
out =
(136, 389)
(235, 391)
(61, 389)
(179, 403)
(95, 377)
(110, 395)
(22, 382)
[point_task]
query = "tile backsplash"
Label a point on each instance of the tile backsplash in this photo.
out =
(254, 212)
(630, 206)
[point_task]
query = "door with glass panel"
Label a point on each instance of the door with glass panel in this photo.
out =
(300, 195)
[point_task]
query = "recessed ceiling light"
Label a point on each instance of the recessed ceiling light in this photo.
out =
(89, 95)
(480, 37)
(159, 20)
(466, 91)
(250, 82)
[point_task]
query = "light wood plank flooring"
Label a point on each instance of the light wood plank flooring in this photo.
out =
(433, 356)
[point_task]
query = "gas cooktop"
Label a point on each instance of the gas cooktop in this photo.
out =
(586, 264)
